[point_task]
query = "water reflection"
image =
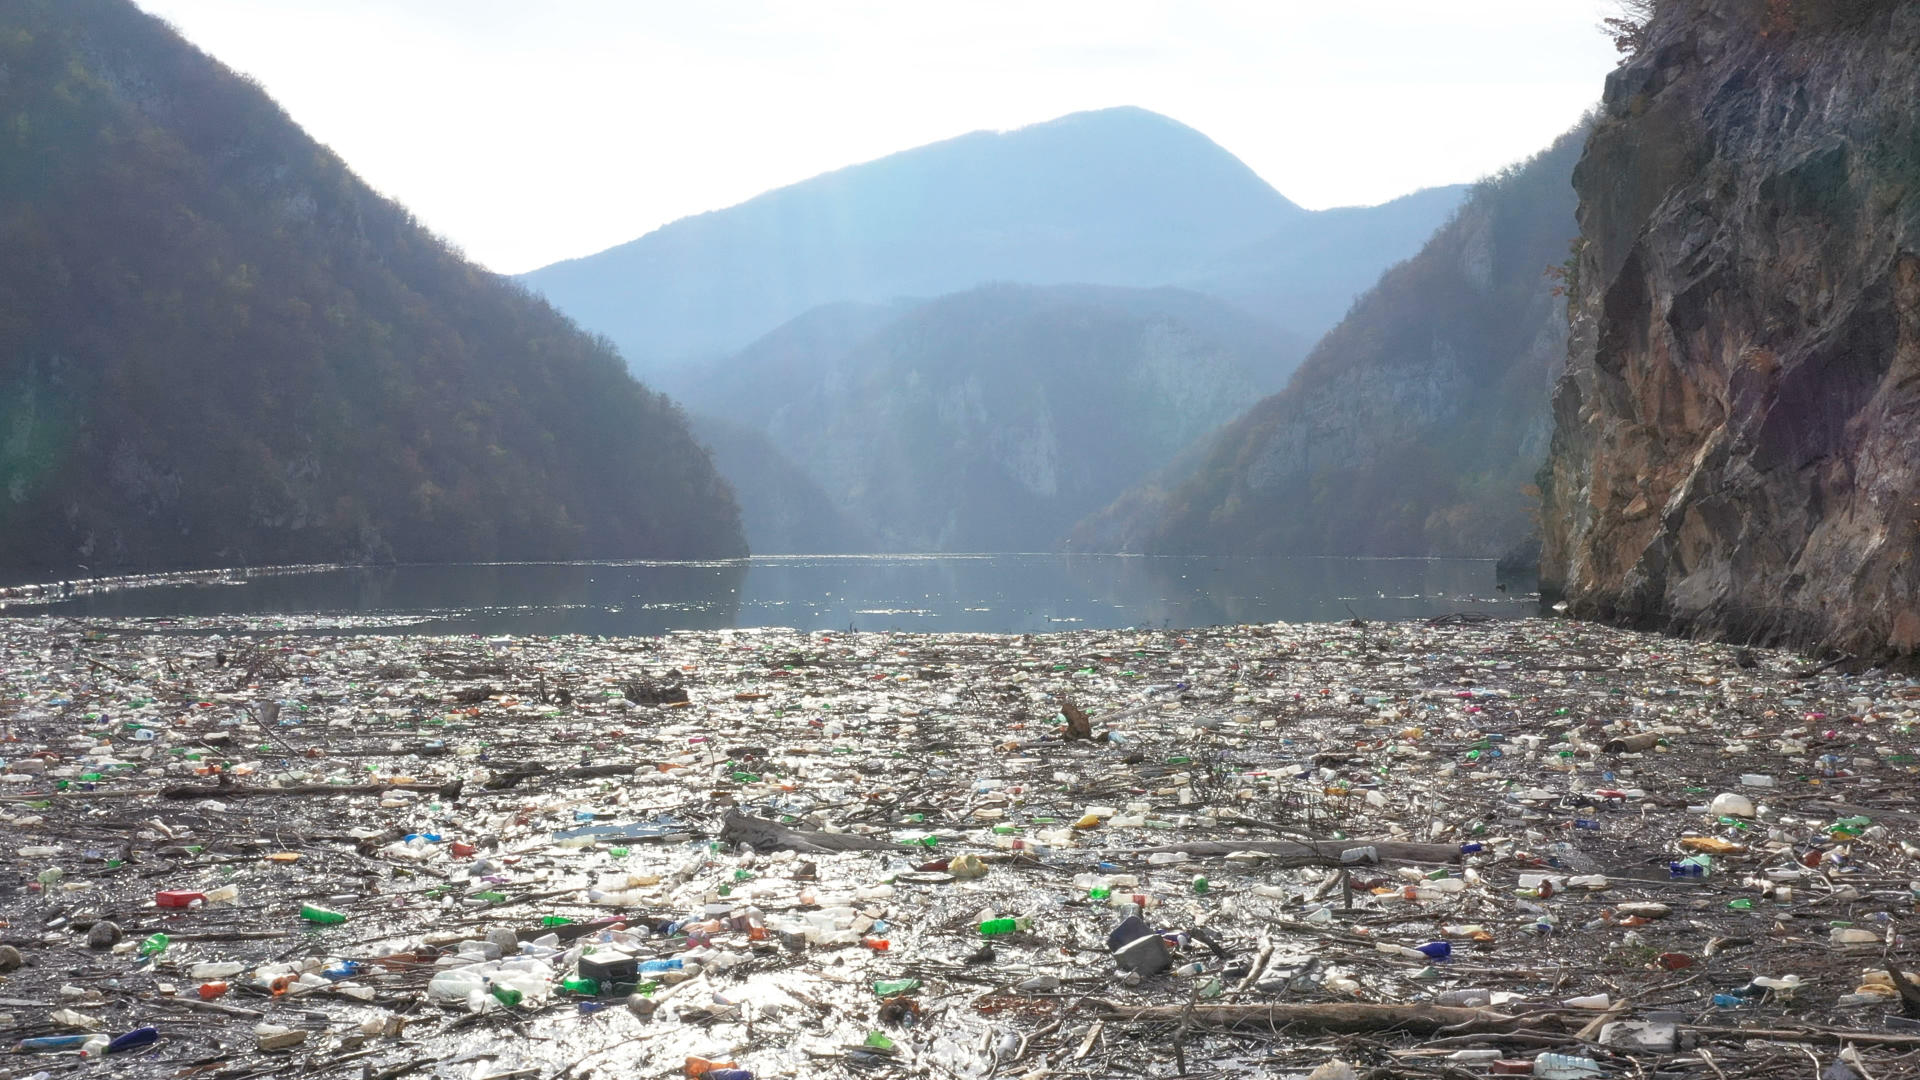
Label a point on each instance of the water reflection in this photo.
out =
(992, 593)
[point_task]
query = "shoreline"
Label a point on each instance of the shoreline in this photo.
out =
(193, 762)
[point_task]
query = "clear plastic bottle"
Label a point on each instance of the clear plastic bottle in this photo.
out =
(458, 986)
(216, 970)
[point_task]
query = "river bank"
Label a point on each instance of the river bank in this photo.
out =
(1452, 815)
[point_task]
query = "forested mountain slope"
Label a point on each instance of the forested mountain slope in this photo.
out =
(1415, 426)
(992, 419)
(217, 346)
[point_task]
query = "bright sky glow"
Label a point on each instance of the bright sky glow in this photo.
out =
(527, 132)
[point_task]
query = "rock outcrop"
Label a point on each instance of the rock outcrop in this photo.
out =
(1737, 434)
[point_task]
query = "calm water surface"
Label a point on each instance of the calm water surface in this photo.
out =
(974, 593)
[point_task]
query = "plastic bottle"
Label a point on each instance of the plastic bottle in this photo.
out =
(133, 1040)
(47, 1043)
(314, 913)
(154, 945)
(1001, 927)
(458, 986)
(215, 970)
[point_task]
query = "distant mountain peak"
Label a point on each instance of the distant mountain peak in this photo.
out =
(1119, 196)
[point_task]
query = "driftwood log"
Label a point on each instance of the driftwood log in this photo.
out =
(449, 790)
(1309, 853)
(509, 775)
(1339, 1016)
(766, 835)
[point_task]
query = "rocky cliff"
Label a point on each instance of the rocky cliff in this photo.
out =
(1737, 434)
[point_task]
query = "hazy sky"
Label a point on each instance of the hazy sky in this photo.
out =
(527, 131)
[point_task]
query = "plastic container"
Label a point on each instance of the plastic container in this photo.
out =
(1002, 927)
(1565, 1067)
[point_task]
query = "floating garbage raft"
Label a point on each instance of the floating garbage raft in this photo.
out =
(1455, 848)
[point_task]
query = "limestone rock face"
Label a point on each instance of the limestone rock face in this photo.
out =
(1737, 433)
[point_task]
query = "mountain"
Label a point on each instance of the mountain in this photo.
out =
(1734, 451)
(1413, 426)
(784, 511)
(1305, 275)
(991, 419)
(218, 346)
(1119, 197)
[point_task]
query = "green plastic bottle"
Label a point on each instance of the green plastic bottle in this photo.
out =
(890, 987)
(507, 995)
(589, 987)
(154, 945)
(314, 913)
(1002, 927)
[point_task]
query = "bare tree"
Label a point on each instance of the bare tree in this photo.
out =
(1627, 26)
